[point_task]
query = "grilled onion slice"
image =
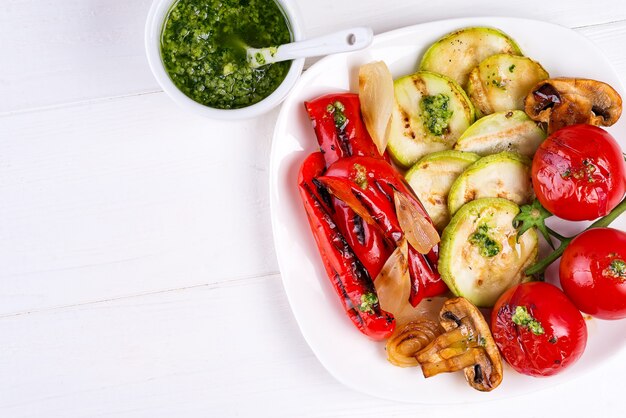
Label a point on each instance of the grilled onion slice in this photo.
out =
(418, 230)
(408, 340)
(377, 100)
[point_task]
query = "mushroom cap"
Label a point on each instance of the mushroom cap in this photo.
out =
(564, 101)
(467, 344)
(458, 311)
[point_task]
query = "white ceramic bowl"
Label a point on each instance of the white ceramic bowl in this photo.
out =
(154, 27)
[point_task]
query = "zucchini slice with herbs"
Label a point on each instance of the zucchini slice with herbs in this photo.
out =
(480, 256)
(505, 175)
(431, 178)
(430, 112)
(502, 82)
(510, 130)
(457, 53)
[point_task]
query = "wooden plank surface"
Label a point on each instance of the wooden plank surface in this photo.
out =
(58, 52)
(129, 196)
(137, 270)
(114, 186)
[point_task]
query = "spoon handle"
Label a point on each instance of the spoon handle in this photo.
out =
(343, 41)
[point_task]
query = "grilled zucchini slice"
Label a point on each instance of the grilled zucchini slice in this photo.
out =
(430, 112)
(510, 130)
(480, 256)
(457, 53)
(431, 178)
(505, 175)
(501, 82)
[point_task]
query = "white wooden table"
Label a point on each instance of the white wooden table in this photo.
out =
(137, 270)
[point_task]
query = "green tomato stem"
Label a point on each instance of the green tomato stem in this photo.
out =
(606, 220)
(556, 235)
(541, 266)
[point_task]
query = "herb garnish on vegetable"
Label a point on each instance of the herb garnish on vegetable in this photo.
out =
(436, 113)
(488, 247)
(524, 319)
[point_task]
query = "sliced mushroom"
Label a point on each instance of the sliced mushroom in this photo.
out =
(467, 344)
(561, 102)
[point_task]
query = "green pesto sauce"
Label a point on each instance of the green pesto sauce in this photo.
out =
(360, 177)
(487, 246)
(202, 52)
(337, 111)
(436, 113)
(617, 269)
(524, 319)
(368, 301)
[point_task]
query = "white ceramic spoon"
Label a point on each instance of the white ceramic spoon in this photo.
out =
(343, 41)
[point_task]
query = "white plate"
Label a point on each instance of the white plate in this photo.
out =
(348, 355)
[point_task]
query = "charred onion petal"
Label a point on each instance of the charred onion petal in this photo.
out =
(377, 100)
(418, 230)
(410, 339)
(393, 284)
(561, 102)
(467, 344)
(393, 287)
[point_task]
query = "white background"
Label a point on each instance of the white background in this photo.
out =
(137, 270)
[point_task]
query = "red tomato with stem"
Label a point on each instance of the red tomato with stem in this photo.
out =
(578, 173)
(593, 272)
(537, 329)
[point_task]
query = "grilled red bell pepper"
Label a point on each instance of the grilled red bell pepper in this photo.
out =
(341, 133)
(339, 127)
(367, 185)
(349, 277)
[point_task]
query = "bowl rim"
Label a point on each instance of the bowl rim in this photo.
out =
(154, 25)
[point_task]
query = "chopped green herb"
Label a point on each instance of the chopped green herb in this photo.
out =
(524, 319)
(259, 58)
(436, 113)
(580, 173)
(617, 269)
(229, 68)
(487, 246)
(367, 302)
(360, 177)
(337, 111)
(499, 83)
(511, 68)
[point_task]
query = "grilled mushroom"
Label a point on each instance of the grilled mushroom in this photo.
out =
(467, 344)
(561, 102)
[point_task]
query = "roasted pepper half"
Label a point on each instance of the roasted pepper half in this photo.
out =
(341, 133)
(349, 277)
(368, 185)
